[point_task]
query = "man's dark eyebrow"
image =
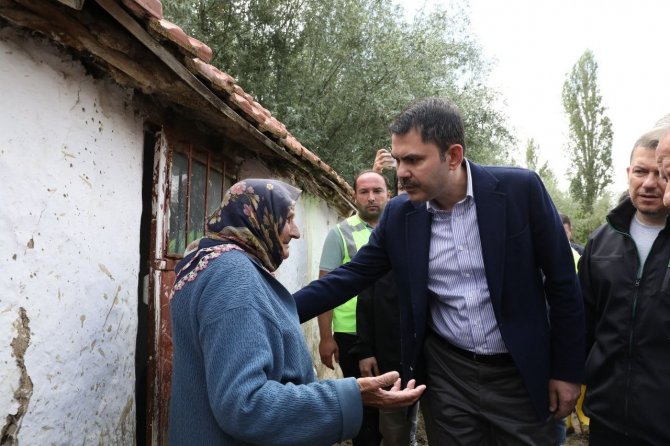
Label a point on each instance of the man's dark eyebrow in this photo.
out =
(408, 156)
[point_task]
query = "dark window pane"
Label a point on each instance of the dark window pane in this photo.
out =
(196, 222)
(227, 182)
(178, 194)
(214, 192)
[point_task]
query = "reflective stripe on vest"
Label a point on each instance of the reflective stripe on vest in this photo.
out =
(355, 233)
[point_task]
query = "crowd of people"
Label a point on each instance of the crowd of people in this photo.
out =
(461, 297)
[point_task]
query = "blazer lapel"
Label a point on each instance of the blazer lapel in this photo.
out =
(491, 218)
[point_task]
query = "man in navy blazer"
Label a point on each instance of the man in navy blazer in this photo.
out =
(491, 312)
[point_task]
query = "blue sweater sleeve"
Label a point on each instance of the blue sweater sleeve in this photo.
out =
(256, 366)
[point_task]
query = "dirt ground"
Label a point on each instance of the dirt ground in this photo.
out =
(577, 439)
(573, 439)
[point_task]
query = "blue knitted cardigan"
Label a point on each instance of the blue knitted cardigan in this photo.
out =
(242, 372)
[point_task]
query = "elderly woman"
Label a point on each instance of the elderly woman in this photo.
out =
(242, 371)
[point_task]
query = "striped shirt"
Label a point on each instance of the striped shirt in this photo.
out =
(460, 303)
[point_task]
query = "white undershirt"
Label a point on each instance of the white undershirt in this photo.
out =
(643, 236)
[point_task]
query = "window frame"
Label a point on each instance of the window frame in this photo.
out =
(213, 161)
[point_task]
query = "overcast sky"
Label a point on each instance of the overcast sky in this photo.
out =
(535, 43)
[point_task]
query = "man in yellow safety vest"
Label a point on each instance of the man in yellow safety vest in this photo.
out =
(337, 328)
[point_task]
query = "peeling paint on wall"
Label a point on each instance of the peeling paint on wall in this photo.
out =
(70, 225)
(104, 269)
(24, 391)
(125, 436)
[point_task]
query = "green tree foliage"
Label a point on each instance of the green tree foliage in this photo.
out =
(583, 223)
(562, 202)
(336, 72)
(590, 133)
(532, 162)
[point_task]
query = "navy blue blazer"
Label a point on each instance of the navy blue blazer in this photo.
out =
(541, 320)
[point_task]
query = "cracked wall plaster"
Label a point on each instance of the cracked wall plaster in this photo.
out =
(24, 389)
(71, 201)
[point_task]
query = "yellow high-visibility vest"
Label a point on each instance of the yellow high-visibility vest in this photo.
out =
(355, 233)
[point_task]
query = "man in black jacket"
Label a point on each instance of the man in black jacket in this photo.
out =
(378, 348)
(378, 330)
(625, 279)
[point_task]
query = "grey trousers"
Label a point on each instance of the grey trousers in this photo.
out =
(398, 426)
(468, 403)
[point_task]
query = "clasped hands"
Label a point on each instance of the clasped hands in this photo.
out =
(562, 397)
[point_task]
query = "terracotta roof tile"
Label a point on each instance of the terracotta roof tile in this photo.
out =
(265, 110)
(262, 110)
(239, 90)
(273, 127)
(246, 104)
(331, 171)
(175, 34)
(312, 158)
(165, 28)
(145, 8)
(218, 79)
(257, 114)
(241, 103)
(201, 50)
(291, 143)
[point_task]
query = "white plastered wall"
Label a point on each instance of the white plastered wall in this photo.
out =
(314, 218)
(70, 207)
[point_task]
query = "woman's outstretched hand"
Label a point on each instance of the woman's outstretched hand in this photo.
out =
(384, 391)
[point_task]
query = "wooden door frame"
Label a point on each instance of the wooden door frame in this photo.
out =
(159, 365)
(161, 278)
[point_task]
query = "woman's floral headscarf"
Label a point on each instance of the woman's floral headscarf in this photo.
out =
(251, 217)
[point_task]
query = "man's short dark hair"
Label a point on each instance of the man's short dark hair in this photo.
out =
(648, 141)
(363, 172)
(438, 121)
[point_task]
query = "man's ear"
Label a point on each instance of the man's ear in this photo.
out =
(455, 156)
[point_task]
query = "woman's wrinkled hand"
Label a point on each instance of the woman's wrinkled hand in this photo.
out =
(384, 391)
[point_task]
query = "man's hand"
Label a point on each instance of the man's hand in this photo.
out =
(374, 394)
(328, 349)
(368, 367)
(562, 398)
(383, 160)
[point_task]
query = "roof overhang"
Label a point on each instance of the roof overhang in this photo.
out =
(137, 49)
